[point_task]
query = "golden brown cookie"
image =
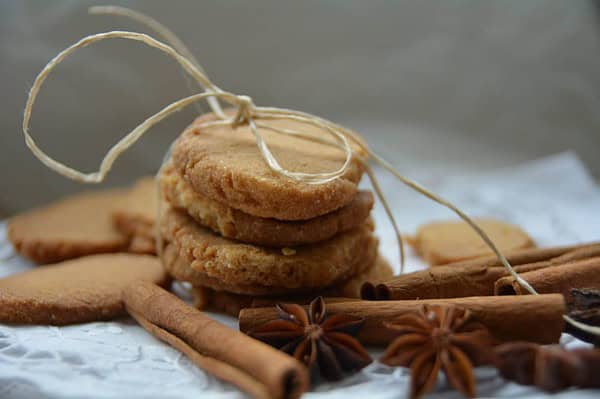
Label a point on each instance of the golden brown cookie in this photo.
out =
(75, 291)
(238, 225)
(225, 165)
(197, 255)
(229, 303)
(136, 215)
(75, 226)
(444, 242)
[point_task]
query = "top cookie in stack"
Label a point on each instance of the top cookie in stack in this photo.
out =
(236, 226)
(225, 165)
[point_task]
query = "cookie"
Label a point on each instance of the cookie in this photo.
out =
(445, 242)
(238, 225)
(75, 291)
(75, 226)
(136, 215)
(225, 165)
(199, 256)
(226, 302)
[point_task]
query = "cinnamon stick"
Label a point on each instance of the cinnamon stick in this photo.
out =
(529, 318)
(582, 252)
(252, 366)
(441, 282)
(468, 278)
(215, 367)
(556, 279)
(260, 302)
(524, 256)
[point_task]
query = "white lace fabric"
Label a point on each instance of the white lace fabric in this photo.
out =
(119, 359)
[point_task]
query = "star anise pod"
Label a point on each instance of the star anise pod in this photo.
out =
(319, 341)
(584, 298)
(584, 307)
(439, 337)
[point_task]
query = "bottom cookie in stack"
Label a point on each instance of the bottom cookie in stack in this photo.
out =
(230, 303)
(205, 259)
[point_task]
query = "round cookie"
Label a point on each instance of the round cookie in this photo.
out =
(235, 224)
(75, 226)
(225, 165)
(136, 215)
(75, 291)
(445, 242)
(226, 302)
(197, 255)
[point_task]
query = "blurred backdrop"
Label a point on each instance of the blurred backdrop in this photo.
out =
(446, 87)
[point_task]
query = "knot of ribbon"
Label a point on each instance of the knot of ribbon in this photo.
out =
(245, 111)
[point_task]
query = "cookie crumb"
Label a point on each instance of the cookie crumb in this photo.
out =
(288, 251)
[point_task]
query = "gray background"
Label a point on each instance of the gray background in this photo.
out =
(436, 86)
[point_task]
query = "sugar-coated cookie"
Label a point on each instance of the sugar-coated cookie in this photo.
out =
(75, 291)
(445, 242)
(225, 165)
(75, 226)
(198, 255)
(238, 225)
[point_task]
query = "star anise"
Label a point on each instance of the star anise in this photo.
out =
(319, 341)
(439, 337)
(584, 307)
(584, 298)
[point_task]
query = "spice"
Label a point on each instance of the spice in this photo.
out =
(250, 365)
(555, 279)
(508, 318)
(438, 282)
(316, 339)
(584, 307)
(549, 368)
(473, 277)
(590, 317)
(439, 337)
(585, 298)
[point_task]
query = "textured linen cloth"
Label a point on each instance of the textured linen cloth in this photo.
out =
(554, 199)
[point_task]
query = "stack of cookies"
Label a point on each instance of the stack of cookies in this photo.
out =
(239, 232)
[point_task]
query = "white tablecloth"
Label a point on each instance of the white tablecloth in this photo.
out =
(554, 199)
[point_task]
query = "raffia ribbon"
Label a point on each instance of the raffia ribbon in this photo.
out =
(247, 113)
